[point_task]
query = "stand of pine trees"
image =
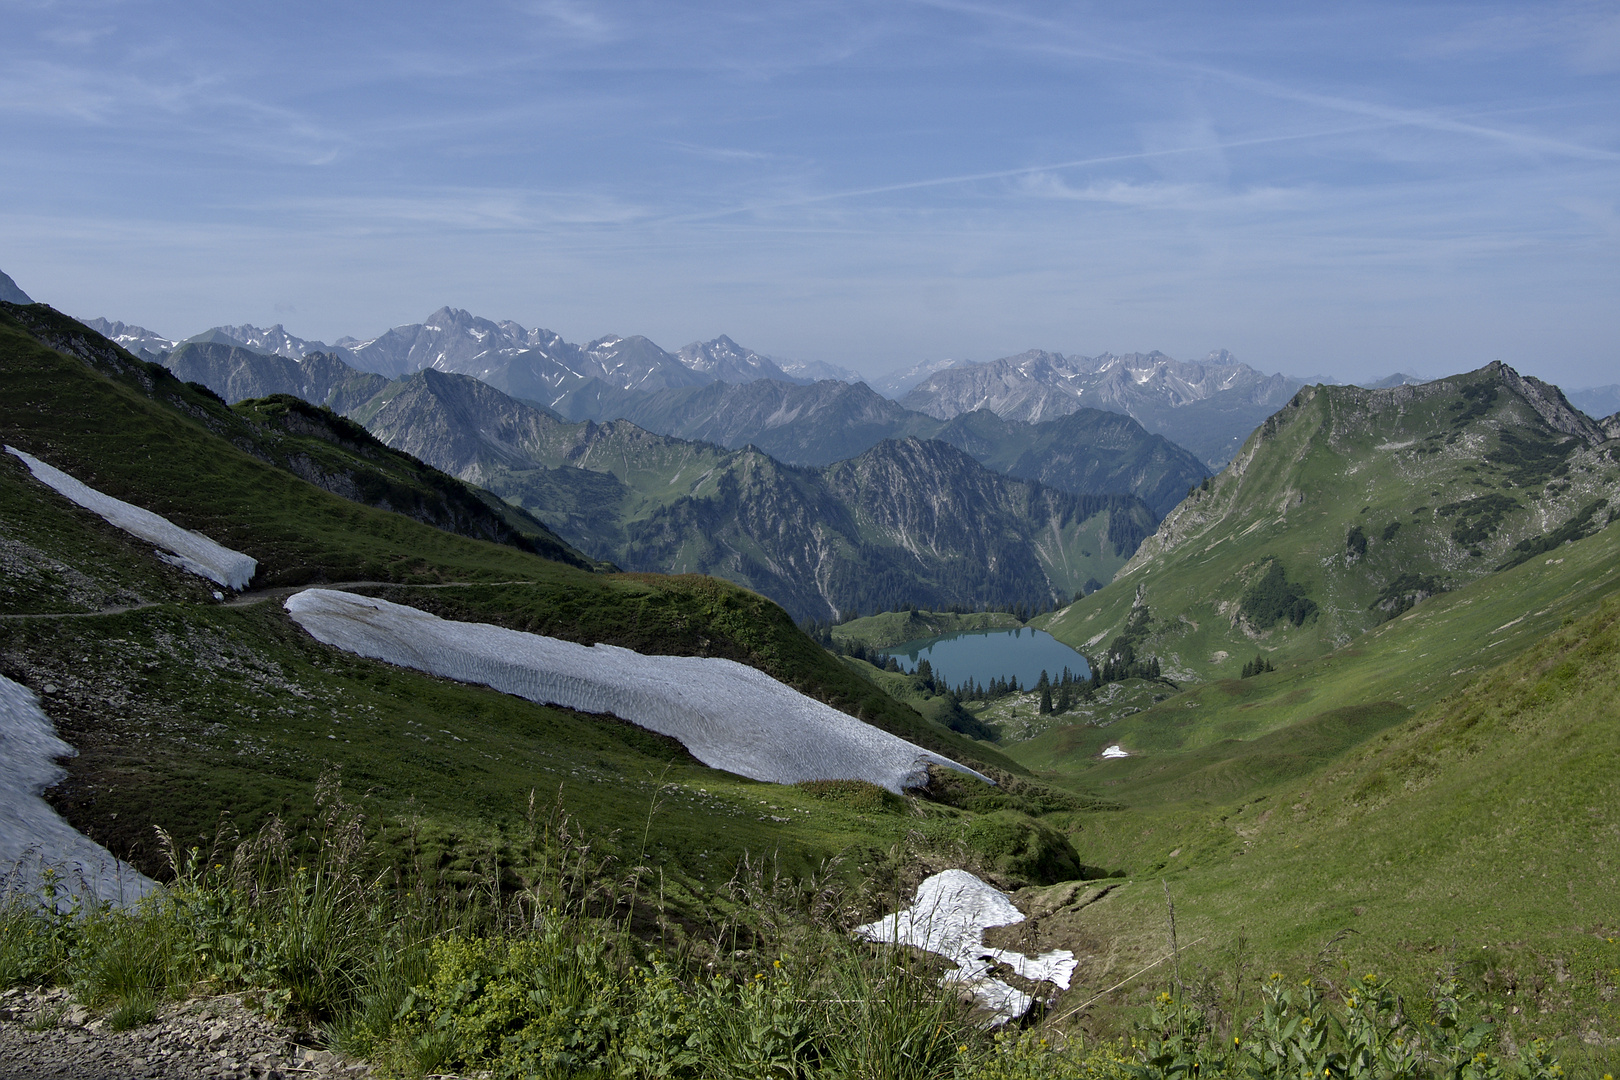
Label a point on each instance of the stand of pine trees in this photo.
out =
(1258, 666)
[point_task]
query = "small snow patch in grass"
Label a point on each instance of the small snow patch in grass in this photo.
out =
(949, 917)
(730, 716)
(188, 550)
(1115, 751)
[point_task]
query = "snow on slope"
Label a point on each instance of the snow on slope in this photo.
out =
(32, 837)
(190, 551)
(729, 715)
(952, 910)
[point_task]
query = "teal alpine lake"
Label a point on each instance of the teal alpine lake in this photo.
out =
(983, 655)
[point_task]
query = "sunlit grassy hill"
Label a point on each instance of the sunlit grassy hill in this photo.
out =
(1443, 789)
(1346, 508)
(890, 628)
(1477, 837)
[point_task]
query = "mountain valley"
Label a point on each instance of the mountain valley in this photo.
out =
(1417, 781)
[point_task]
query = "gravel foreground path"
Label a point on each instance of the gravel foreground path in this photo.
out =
(44, 1035)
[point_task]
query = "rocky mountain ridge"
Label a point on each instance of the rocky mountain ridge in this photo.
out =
(906, 521)
(1089, 452)
(144, 343)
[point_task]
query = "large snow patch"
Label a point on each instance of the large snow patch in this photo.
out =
(952, 910)
(33, 838)
(188, 550)
(729, 715)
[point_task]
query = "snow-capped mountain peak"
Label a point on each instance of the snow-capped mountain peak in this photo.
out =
(137, 339)
(726, 361)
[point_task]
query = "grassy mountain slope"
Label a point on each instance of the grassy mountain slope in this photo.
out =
(340, 456)
(93, 434)
(1214, 737)
(1350, 506)
(1478, 834)
(891, 628)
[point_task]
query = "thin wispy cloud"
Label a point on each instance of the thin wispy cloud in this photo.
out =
(578, 20)
(1022, 171)
(1054, 37)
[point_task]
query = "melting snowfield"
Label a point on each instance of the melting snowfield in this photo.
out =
(32, 836)
(1115, 751)
(952, 910)
(728, 715)
(188, 550)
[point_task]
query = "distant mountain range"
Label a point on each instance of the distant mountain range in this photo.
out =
(1596, 401)
(1208, 407)
(904, 521)
(1088, 452)
(908, 521)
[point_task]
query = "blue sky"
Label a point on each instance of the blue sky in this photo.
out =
(1348, 189)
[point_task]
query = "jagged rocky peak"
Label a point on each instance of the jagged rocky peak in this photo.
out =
(819, 371)
(147, 344)
(896, 384)
(274, 340)
(726, 361)
(450, 339)
(10, 293)
(1550, 403)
